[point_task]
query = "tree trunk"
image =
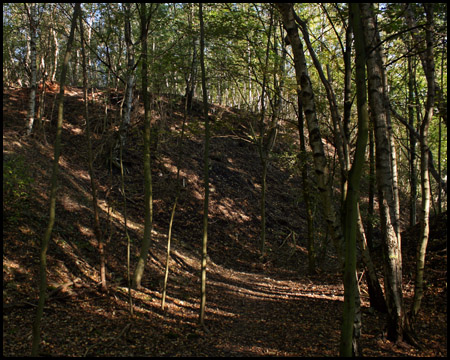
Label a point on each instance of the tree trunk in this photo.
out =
(385, 176)
(169, 235)
(205, 172)
(370, 210)
(97, 227)
(425, 183)
(148, 194)
(32, 103)
(53, 189)
(375, 292)
(315, 138)
(412, 145)
(130, 75)
(347, 345)
(306, 191)
(263, 148)
(338, 129)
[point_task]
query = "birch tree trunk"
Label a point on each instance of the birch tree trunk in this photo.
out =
(385, 176)
(315, 138)
(31, 10)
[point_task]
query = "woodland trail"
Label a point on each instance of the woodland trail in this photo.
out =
(275, 317)
(253, 309)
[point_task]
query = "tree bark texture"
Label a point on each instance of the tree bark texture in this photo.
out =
(315, 138)
(385, 176)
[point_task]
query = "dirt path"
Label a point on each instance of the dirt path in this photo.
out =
(252, 309)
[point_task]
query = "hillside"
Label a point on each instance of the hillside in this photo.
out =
(272, 308)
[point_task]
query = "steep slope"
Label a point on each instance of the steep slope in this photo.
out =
(253, 308)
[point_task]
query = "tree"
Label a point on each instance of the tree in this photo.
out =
(347, 347)
(53, 189)
(130, 74)
(148, 193)
(385, 175)
(31, 12)
(97, 227)
(307, 99)
(205, 171)
(264, 148)
(425, 183)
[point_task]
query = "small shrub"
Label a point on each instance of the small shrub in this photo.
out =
(16, 186)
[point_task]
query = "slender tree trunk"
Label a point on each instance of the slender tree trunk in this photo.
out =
(306, 191)
(412, 145)
(148, 195)
(425, 183)
(205, 172)
(55, 56)
(370, 210)
(32, 103)
(169, 235)
(264, 151)
(97, 227)
(348, 346)
(130, 75)
(375, 292)
(53, 189)
(338, 129)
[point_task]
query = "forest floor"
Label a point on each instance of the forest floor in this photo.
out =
(254, 308)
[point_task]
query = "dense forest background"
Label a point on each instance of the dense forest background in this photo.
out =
(224, 179)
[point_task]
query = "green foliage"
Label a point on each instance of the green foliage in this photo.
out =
(16, 188)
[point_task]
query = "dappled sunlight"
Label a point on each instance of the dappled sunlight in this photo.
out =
(254, 350)
(118, 216)
(71, 205)
(268, 115)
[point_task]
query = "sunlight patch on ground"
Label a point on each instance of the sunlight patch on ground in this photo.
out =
(25, 229)
(10, 264)
(254, 350)
(119, 217)
(85, 231)
(69, 204)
